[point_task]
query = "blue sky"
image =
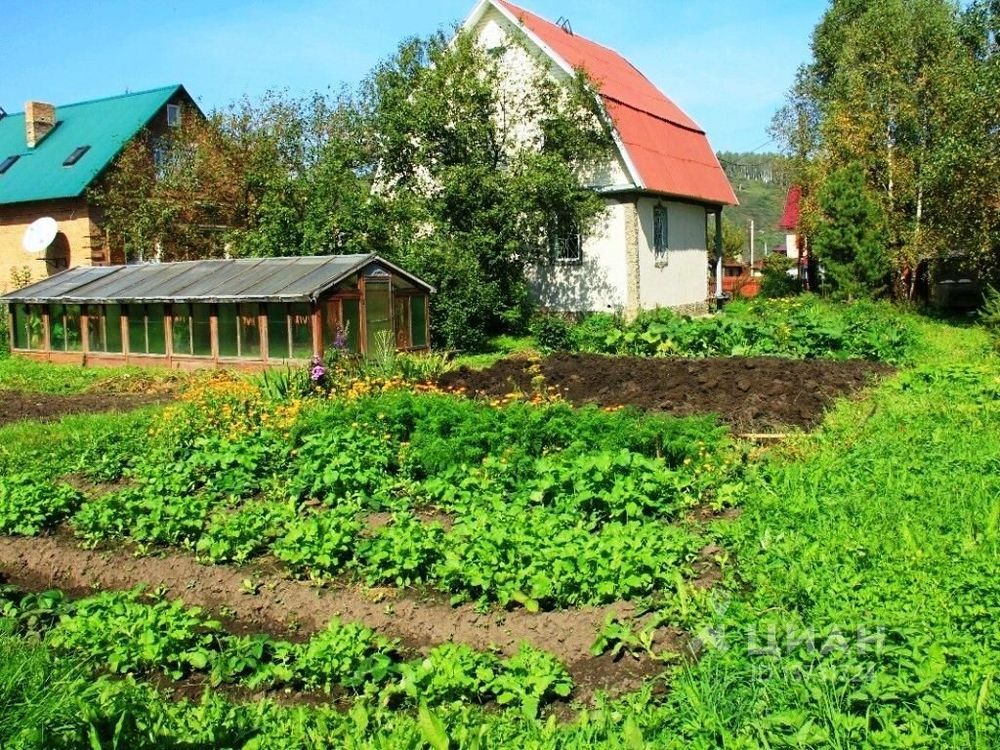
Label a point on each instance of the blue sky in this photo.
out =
(726, 63)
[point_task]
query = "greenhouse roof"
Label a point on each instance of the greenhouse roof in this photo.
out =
(292, 279)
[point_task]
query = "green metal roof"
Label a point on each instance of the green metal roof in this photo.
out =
(105, 125)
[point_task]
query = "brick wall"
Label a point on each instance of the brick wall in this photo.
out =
(78, 243)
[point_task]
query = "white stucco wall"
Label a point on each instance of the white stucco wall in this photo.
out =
(682, 279)
(597, 284)
(522, 63)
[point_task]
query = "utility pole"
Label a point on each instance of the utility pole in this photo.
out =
(751, 247)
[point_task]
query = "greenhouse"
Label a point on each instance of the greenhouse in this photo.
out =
(246, 312)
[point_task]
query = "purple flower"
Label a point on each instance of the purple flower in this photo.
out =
(340, 340)
(317, 373)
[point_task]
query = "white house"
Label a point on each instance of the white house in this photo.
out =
(649, 249)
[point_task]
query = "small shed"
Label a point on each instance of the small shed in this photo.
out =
(246, 312)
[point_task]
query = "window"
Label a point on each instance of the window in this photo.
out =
(566, 242)
(300, 320)
(104, 328)
(77, 154)
(28, 327)
(181, 329)
(660, 232)
(201, 330)
(277, 331)
(401, 316)
(147, 329)
(352, 323)
(418, 321)
(249, 330)
(173, 115)
(8, 163)
(65, 332)
(228, 340)
(378, 315)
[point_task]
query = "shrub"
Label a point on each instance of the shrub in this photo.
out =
(551, 332)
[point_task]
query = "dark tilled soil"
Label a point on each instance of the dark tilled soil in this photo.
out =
(751, 394)
(294, 610)
(16, 406)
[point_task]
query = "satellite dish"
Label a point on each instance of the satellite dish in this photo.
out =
(39, 235)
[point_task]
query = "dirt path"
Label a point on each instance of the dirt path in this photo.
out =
(20, 405)
(750, 393)
(289, 608)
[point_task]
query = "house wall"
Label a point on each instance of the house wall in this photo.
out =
(598, 283)
(679, 281)
(77, 244)
(523, 63)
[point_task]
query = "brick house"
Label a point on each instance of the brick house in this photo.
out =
(50, 156)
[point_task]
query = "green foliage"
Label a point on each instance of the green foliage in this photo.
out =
(805, 327)
(403, 552)
(551, 332)
(902, 88)
(849, 239)
(450, 672)
(529, 677)
(129, 636)
(346, 655)
(29, 504)
(236, 536)
(320, 544)
(775, 281)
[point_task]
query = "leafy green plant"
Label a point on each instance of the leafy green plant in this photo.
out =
(403, 552)
(450, 672)
(29, 504)
(319, 544)
(528, 678)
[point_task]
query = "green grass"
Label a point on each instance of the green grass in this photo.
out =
(499, 348)
(870, 549)
(19, 374)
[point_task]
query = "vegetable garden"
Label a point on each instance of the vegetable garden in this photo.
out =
(849, 603)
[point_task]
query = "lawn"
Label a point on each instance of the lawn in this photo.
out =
(851, 602)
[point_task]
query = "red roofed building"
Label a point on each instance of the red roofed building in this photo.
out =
(661, 185)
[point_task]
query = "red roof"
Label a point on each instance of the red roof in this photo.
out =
(790, 217)
(667, 148)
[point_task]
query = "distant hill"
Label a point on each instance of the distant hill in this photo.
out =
(760, 182)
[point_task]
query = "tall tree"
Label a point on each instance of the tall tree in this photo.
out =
(889, 87)
(476, 174)
(848, 239)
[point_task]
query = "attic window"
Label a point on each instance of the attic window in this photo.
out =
(77, 154)
(7, 163)
(173, 115)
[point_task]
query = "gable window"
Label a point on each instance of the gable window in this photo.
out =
(565, 242)
(7, 163)
(77, 154)
(173, 115)
(660, 235)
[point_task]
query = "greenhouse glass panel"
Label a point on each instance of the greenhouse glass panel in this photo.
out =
(113, 328)
(250, 330)
(74, 332)
(180, 325)
(20, 324)
(418, 321)
(156, 329)
(301, 319)
(277, 331)
(378, 315)
(228, 346)
(57, 327)
(136, 329)
(201, 330)
(352, 323)
(96, 340)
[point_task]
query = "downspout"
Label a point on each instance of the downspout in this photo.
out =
(719, 295)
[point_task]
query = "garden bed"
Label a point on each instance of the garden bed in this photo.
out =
(752, 393)
(294, 610)
(16, 406)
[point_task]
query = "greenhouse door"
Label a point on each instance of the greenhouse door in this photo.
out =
(378, 316)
